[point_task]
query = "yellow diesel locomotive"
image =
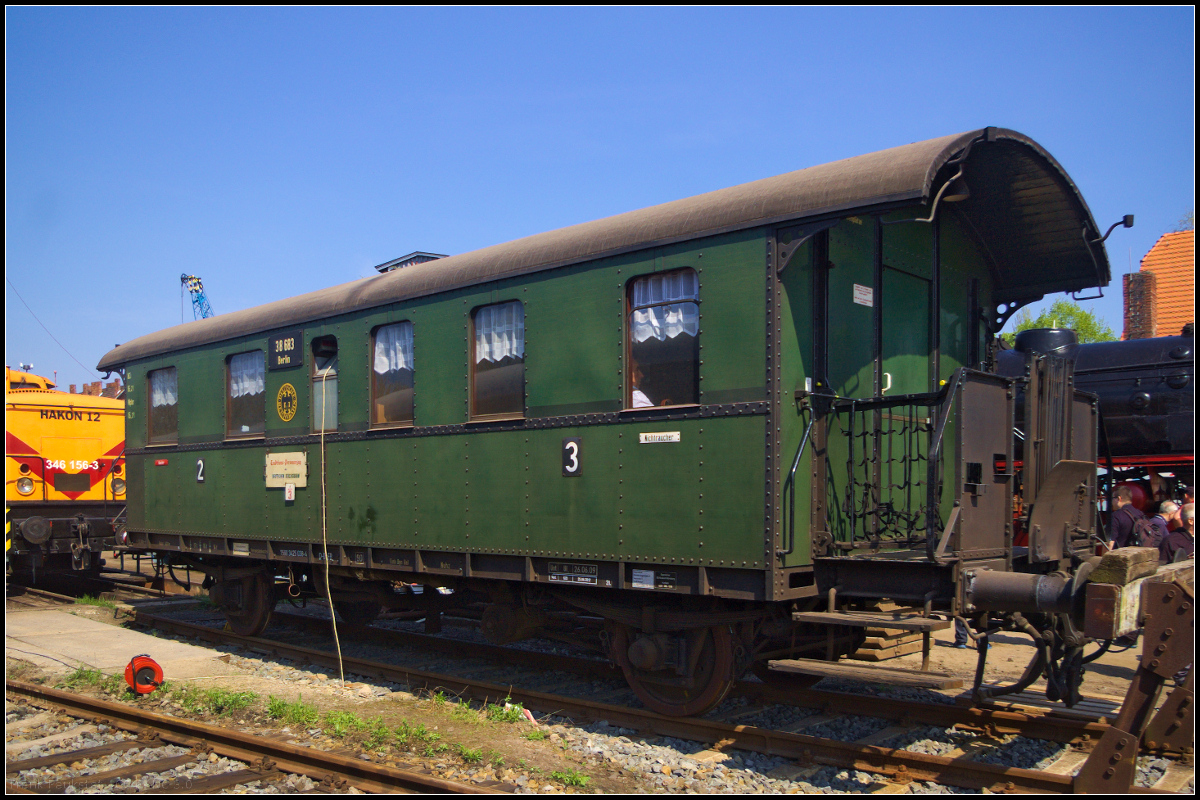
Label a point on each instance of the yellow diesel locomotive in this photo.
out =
(64, 473)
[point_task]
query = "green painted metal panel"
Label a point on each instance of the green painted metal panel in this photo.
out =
(440, 330)
(906, 335)
(243, 491)
(574, 339)
(660, 488)
(908, 246)
(136, 389)
(380, 509)
(201, 380)
(731, 498)
(572, 514)
(851, 324)
(494, 489)
(441, 494)
(961, 262)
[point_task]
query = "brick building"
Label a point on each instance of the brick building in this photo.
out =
(100, 389)
(1160, 299)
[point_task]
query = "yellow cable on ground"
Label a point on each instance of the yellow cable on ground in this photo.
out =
(325, 539)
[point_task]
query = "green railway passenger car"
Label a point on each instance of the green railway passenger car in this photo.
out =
(697, 428)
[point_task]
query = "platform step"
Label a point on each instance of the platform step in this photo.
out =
(884, 653)
(855, 619)
(1034, 701)
(868, 673)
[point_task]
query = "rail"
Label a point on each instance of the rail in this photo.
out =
(789, 492)
(899, 765)
(265, 753)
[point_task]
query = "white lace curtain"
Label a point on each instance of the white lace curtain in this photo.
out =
(669, 313)
(500, 332)
(246, 374)
(164, 387)
(394, 348)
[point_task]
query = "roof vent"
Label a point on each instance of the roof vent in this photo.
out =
(408, 260)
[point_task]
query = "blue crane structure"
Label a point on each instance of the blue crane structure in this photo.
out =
(200, 307)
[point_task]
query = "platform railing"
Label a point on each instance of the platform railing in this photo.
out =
(892, 449)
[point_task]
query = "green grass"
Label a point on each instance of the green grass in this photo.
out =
(496, 759)
(294, 713)
(218, 702)
(88, 678)
(536, 735)
(340, 723)
(470, 756)
(570, 778)
(506, 712)
(223, 701)
(88, 600)
(379, 735)
(407, 734)
(464, 713)
(439, 698)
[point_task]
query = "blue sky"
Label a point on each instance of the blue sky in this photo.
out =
(277, 151)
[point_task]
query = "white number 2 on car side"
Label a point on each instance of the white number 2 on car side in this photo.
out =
(199, 470)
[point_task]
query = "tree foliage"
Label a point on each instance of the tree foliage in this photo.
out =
(1187, 222)
(1064, 314)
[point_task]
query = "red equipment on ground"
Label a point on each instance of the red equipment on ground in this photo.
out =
(143, 674)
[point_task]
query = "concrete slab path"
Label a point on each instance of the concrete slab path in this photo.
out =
(58, 642)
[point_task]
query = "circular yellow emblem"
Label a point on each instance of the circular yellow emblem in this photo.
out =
(286, 402)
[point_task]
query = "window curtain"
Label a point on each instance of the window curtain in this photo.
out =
(670, 314)
(164, 388)
(394, 348)
(246, 374)
(500, 332)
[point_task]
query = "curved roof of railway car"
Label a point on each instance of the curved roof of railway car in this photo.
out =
(1023, 206)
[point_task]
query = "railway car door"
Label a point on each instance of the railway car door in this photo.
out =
(878, 289)
(907, 265)
(878, 342)
(850, 308)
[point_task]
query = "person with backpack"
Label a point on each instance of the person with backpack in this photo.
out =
(1128, 526)
(1168, 512)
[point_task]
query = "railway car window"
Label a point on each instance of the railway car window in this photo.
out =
(247, 408)
(325, 384)
(164, 406)
(664, 340)
(498, 377)
(392, 375)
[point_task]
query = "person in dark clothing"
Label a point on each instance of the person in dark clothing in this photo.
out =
(1121, 526)
(1181, 542)
(960, 634)
(1167, 512)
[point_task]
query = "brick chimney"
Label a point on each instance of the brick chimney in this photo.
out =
(1141, 299)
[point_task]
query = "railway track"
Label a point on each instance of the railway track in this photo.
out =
(264, 758)
(24, 598)
(894, 768)
(992, 722)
